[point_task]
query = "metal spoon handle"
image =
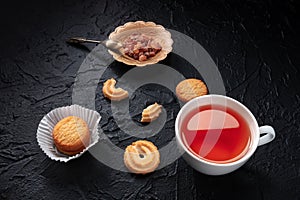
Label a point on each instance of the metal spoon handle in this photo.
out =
(112, 45)
(78, 40)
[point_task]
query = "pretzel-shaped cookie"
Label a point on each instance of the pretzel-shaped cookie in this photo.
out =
(141, 157)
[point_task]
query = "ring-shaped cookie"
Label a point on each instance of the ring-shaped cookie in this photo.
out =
(141, 157)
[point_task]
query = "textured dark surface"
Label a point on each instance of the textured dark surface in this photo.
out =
(255, 45)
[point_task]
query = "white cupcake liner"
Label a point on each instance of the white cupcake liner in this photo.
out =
(46, 125)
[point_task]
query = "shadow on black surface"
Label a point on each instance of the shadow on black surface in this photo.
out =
(80, 47)
(85, 168)
(241, 184)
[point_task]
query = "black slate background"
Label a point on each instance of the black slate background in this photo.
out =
(255, 45)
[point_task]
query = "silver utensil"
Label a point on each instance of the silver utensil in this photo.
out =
(112, 45)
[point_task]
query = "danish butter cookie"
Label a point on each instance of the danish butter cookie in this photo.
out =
(71, 135)
(151, 113)
(110, 91)
(141, 157)
(190, 88)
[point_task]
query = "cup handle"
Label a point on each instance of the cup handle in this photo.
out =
(270, 135)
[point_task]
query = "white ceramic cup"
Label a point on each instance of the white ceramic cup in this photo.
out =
(214, 168)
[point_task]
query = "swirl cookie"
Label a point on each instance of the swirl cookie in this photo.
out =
(71, 135)
(114, 94)
(141, 157)
(151, 113)
(190, 88)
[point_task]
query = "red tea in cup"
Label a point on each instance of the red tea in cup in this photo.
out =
(216, 133)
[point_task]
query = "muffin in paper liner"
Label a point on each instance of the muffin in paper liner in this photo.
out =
(46, 125)
(157, 32)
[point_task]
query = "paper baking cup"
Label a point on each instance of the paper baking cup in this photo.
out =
(46, 125)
